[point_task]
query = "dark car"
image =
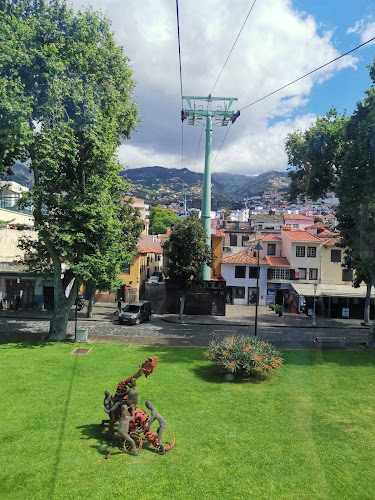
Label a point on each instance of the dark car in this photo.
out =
(134, 313)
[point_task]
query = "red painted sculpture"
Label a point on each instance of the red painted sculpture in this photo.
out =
(137, 419)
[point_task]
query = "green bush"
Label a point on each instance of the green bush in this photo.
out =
(244, 355)
(278, 308)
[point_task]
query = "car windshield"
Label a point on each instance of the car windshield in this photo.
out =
(131, 308)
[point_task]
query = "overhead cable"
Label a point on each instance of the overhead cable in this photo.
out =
(307, 74)
(231, 50)
(182, 103)
(294, 81)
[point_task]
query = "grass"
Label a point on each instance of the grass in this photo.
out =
(305, 433)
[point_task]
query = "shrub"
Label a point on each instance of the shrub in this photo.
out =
(244, 355)
(278, 308)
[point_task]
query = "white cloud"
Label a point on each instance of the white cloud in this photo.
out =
(278, 44)
(365, 28)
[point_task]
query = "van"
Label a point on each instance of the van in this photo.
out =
(134, 313)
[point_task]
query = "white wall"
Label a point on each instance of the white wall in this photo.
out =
(228, 273)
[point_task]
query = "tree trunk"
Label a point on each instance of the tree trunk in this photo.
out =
(92, 290)
(62, 305)
(366, 316)
(182, 307)
(371, 333)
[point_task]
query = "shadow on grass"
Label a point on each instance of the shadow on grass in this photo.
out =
(213, 374)
(98, 432)
(104, 443)
(15, 344)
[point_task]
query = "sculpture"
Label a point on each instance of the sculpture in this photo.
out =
(123, 430)
(156, 416)
(122, 408)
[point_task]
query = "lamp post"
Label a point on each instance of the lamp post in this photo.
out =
(257, 247)
(314, 317)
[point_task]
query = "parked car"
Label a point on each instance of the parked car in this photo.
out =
(135, 312)
(153, 280)
(158, 274)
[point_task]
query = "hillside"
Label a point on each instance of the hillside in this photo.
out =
(159, 185)
(166, 186)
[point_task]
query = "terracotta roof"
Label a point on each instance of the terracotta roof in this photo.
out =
(300, 235)
(149, 250)
(297, 216)
(271, 237)
(133, 198)
(220, 233)
(242, 258)
(318, 225)
(331, 242)
(325, 233)
(278, 261)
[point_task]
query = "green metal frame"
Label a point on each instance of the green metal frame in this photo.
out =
(223, 116)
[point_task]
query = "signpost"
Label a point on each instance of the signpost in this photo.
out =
(258, 248)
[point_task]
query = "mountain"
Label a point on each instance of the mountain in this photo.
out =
(21, 175)
(160, 185)
(167, 185)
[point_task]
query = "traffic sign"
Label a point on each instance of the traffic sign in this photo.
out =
(128, 288)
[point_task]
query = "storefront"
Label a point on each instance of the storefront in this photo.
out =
(333, 301)
(277, 293)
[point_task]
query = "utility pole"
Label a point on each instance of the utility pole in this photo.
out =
(221, 116)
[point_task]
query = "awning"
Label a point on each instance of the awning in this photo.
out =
(331, 290)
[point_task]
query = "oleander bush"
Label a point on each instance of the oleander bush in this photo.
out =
(244, 356)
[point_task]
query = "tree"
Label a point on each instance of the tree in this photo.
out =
(160, 219)
(68, 94)
(227, 212)
(338, 153)
(186, 253)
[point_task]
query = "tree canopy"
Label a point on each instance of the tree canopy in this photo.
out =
(186, 252)
(67, 103)
(337, 153)
(160, 219)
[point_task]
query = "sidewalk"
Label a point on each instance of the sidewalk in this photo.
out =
(102, 311)
(236, 316)
(245, 316)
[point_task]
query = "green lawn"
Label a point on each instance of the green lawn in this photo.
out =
(306, 432)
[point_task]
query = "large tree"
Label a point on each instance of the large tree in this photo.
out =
(338, 153)
(186, 252)
(160, 219)
(68, 102)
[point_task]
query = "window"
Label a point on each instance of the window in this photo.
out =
(295, 226)
(240, 272)
(233, 240)
(300, 251)
(279, 274)
(347, 274)
(253, 272)
(244, 239)
(335, 255)
(313, 274)
(240, 292)
(271, 249)
(302, 274)
(311, 251)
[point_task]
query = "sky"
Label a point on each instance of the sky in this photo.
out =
(280, 41)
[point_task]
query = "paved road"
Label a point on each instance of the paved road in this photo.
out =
(159, 332)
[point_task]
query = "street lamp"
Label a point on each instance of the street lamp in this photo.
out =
(314, 317)
(257, 247)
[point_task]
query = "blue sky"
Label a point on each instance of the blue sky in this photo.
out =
(281, 41)
(346, 87)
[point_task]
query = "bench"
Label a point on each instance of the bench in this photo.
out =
(329, 340)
